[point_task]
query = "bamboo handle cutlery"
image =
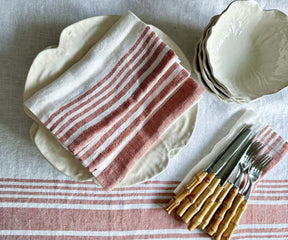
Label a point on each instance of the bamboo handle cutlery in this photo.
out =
(177, 199)
(217, 196)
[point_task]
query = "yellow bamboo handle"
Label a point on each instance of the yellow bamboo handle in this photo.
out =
(235, 220)
(195, 194)
(196, 206)
(215, 206)
(187, 189)
(219, 215)
(197, 219)
(228, 217)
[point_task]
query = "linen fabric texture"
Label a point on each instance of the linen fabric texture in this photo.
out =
(109, 108)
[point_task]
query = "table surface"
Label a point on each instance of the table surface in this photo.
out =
(27, 27)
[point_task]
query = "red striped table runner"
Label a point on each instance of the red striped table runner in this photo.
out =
(55, 209)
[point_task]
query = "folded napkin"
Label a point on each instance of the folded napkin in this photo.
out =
(273, 143)
(110, 107)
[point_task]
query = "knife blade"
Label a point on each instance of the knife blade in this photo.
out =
(222, 175)
(214, 168)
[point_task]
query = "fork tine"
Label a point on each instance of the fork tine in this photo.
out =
(261, 161)
(257, 161)
(265, 162)
(254, 149)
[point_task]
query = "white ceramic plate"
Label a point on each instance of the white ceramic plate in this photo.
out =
(75, 40)
(248, 50)
(200, 67)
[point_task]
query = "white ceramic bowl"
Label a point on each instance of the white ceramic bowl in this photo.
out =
(201, 68)
(247, 51)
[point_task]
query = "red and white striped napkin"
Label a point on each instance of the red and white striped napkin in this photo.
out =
(110, 107)
(274, 145)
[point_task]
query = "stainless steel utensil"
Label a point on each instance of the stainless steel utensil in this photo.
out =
(235, 181)
(230, 222)
(214, 169)
(224, 175)
(203, 176)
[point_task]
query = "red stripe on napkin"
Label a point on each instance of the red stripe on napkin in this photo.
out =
(151, 131)
(103, 80)
(89, 133)
(119, 84)
(98, 93)
(273, 145)
(178, 80)
(135, 77)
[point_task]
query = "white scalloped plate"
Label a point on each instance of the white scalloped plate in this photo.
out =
(247, 50)
(75, 41)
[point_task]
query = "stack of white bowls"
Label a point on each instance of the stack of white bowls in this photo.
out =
(243, 53)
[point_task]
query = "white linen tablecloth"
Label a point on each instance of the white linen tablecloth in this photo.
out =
(40, 203)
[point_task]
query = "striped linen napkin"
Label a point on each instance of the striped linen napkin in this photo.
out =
(110, 107)
(273, 144)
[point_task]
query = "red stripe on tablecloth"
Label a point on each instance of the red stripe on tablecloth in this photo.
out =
(270, 186)
(96, 94)
(148, 182)
(158, 123)
(97, 189)
(115, 98)
(86, 188)
(88, 134)
(131, 237)
(265, 214)
(103, 80)
(84, 182)
(88, 194)
(256, 230)
(115, 201)
(261, 236)
(117, 220)
(133, 194)
(269, 198)
(154, 236)
(274, 181)
(171, 236)
(155, 103)
(124, 220)
(258, 190)
(127, 237)
(82, 201)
